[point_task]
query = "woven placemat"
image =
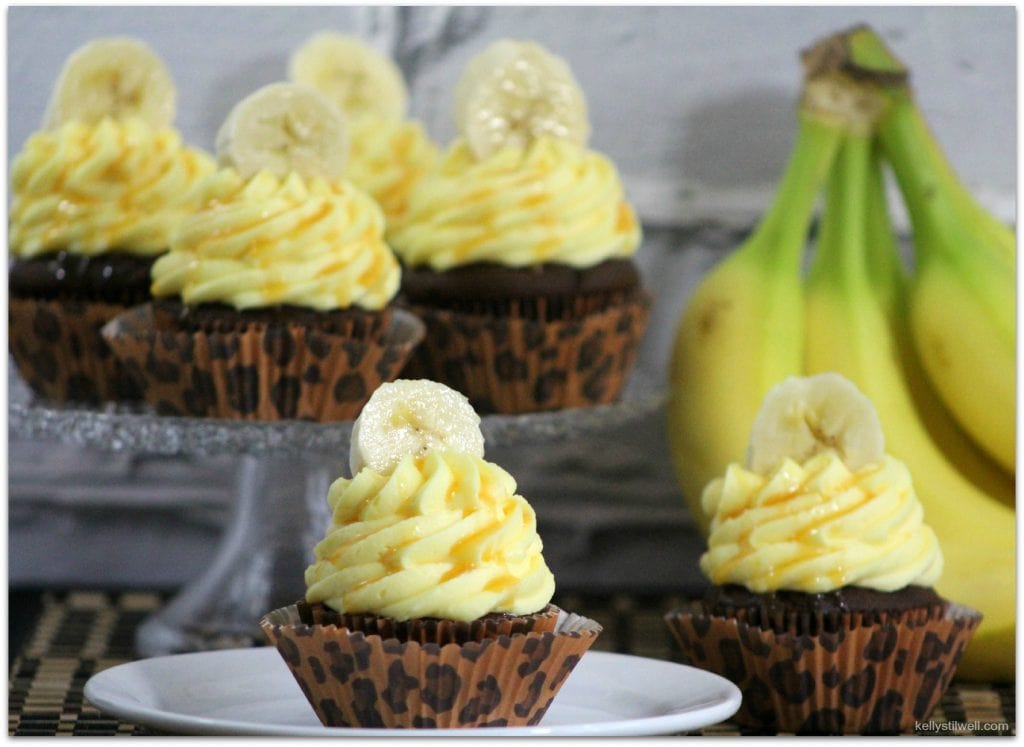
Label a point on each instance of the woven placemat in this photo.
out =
(76, 635)
(73, 635)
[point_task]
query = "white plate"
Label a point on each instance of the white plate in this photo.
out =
(251, 692)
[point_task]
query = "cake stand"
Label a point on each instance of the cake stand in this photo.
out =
(279, 511)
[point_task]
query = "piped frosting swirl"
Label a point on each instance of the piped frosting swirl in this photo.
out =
(266, 240)
(443, 535)
(550, 202)
(117, 185)
(817, 527)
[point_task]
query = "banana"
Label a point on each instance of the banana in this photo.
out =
(889, 277)
(966, 344)
(352, 74)
(805, 415)
(962, 295)
(116, 77)
(515, 91)
(284, 127)
(410, 417)
(741, 332)
(848, 331)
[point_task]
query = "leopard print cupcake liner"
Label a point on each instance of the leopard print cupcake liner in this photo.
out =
(513, 365)
(60, 353)
(262, 372)
(360, 679)
(874, 678)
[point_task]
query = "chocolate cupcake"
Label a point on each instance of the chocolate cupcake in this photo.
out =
(517, 248)
(814, 665)
(823, 610)
(387, 682)
(274, 301)
(428, 599)
(97, 195)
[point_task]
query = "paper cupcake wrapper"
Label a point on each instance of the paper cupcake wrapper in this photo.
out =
(263, 372)
(60, 353)
(877, 678)
(357, 680)
(432, 630)
(510, 364)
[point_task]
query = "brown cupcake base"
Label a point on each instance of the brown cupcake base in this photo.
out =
(803, 613)
(352, 322)
(359, 679)
(869, 676)
(262, 371)
(488, 288)
(59, 351)
(518, 363)
(113, 277)
(431, 629)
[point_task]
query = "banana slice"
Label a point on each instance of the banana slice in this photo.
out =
(284, 127)
(114, 76)
(352, 74)
(803, 416)
(412, 416)
(515, 91)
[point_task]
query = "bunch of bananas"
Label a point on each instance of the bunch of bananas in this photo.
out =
(934, 348)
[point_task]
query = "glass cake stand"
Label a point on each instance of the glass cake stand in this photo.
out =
(279, 511)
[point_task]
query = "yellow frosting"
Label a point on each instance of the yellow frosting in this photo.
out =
(553, 201)
(817, 527)
(444, 535)
(117, 185)
(387, 158)
(269, 240)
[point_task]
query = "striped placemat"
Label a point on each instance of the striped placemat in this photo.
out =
(69, 636)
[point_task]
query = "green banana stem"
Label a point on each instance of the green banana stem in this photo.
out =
(934, 193)
(776, 248)
(839, 259)
(938, 200)
(886, 270)
(949, 226)
(868, 53)
(780, 237)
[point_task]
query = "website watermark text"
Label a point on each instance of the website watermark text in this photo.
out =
(971, 727)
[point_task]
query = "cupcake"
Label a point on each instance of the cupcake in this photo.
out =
(428, 601)
(97, 194)
(822, 609)
(274, 300)
(388, 152)
(517, 248)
